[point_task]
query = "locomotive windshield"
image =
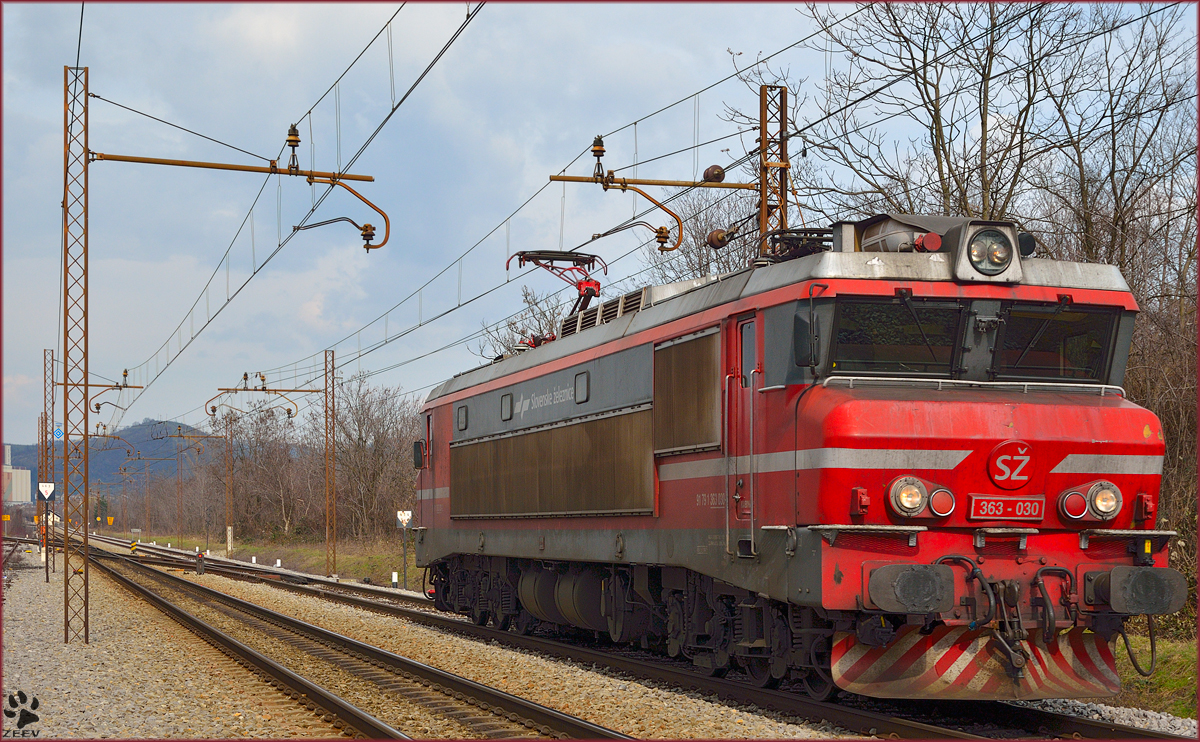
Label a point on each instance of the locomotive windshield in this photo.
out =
(903, 336)
(907, 336)
(1054, 342)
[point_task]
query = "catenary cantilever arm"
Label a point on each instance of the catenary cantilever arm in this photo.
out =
(387, 225)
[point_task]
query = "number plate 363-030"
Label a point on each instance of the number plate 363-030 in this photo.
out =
(993, 507)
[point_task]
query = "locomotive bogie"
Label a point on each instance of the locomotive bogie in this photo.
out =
(684, 613)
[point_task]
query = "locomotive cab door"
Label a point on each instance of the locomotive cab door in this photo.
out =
(742, 384)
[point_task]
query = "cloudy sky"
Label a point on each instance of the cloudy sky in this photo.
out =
(517, 97)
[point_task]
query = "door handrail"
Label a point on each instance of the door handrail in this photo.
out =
(753, 491)
(729, 438)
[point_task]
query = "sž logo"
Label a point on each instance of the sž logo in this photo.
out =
(21, 708)
(1010, 465)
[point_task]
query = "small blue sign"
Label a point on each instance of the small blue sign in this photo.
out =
(58, 433)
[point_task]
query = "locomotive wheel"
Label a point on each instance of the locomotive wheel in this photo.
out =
(675, 627)
(817, 687)
(716, 672)
(818, 682)
(526, 623)
(758, 669)
(479, 615)
(501, 621)
(439, 594)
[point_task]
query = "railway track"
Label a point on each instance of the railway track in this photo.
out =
(913, 720)
(331, 708)
(379, 678)
(8, 554)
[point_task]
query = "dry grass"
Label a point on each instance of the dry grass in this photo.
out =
(1171, 689)
(375, 560)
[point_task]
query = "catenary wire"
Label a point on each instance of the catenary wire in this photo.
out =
(79, 41)
(178, 331)
(1046, 148)
(1016, 68)
(317, 373)
(477, 333)
(351, 65)
(866, 96)
(358, 356)
(177, 126)
(736, 73)
(874, 92)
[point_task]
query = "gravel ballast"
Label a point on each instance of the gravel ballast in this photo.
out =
(628, 706)
(1140, 718)
(555, 689)
(140, 676)
(296, 654)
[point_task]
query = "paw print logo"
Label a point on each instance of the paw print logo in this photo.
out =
(21, 708)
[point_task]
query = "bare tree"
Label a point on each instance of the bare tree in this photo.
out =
(375, 430)
(704, 210)
(539, 317)
(962, 79)
(1078, 122)
(270, 469)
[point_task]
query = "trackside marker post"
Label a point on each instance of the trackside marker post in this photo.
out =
(402, 519)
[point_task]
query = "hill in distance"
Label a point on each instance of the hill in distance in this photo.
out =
(108, 454)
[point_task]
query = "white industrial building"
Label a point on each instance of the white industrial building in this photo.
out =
(16, 481)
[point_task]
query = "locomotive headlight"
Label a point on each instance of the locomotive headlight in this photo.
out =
(908, 496)
(1105, 499)
(990, 252)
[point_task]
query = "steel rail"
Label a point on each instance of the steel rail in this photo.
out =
(865, 722)
(361, 722)
(856, 720)
(1031, 719)
(233, 567)
(11, 551)
(541, 716)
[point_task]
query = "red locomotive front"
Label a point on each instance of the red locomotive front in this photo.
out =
(900, 464)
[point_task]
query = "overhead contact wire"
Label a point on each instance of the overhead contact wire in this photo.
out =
(177, 126)
(634, 124)
(319, 201)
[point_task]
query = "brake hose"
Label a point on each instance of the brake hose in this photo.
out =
(1050, 632)
(974, 574)
(1153, 649)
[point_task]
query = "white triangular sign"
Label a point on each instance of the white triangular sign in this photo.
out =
(46, 488)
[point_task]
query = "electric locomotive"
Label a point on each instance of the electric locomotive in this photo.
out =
(900, 464)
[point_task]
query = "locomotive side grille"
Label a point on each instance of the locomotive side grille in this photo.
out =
(570, 326)
(588, 318)
(606, 312)
(687, 395)
(1101, 549)
(874, 543)
(601, 466)
(610, 310)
